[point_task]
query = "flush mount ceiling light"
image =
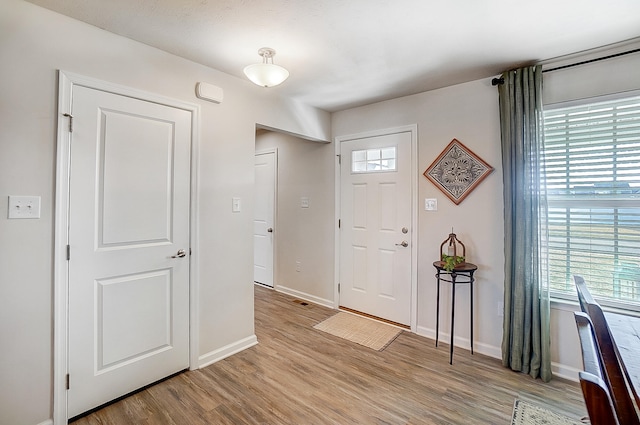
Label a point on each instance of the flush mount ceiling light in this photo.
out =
(266, 74)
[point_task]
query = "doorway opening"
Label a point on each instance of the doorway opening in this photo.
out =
(302, 227)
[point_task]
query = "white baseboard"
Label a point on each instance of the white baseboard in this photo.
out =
(478, 347)
(559, 370)
(304, 296)
(567, 372)
(47, 422)
(487, 350)
(226, 351)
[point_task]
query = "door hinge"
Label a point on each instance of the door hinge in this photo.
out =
(67, 384)
(70, 122)
(189, 251)
(339, 223)
(68, 252)
(338, 288)
(339, 159)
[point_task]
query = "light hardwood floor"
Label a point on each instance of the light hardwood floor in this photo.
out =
(299, 375)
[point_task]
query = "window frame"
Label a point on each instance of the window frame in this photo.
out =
(368, 160)
(625, 307)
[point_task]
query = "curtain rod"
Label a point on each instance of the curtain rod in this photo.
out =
(498, 81)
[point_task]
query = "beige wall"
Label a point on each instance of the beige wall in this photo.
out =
(469, 112)
(34, 44)
(615, 75)
(305, 169)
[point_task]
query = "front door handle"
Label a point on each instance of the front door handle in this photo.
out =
(403, 243)
(181, 253)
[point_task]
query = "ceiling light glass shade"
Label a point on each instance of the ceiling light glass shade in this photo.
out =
(266, 74)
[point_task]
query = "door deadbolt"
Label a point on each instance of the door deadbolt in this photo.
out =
(405, 230)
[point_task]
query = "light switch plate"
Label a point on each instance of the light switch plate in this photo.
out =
(24, 207)
(235, 204)
(304, 202)
(431, 204)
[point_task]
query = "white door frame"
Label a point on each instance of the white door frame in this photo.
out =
(275, 208)
(413, 129)
(66, 82)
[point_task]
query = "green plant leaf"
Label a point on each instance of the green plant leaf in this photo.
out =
(451, 261)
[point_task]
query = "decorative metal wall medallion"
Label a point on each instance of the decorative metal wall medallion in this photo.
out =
(457, 171)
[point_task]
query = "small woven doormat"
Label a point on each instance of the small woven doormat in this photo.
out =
(525, 413)
(361, 330)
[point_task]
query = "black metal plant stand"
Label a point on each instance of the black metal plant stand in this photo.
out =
(461, 274)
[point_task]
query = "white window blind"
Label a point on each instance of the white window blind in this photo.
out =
(592, 168)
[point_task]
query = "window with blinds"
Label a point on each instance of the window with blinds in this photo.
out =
(592, 169)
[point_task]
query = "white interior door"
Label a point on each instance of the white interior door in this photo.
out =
(376, 221)
(128, 219)
(263, 223)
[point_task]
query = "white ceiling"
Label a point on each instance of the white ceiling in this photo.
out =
(345, 53)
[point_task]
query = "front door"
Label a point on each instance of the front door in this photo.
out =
(129, 245)
(375, 232)
(263, 222)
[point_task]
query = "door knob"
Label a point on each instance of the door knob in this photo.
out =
(270, 230)
(181, 253)
(403, 243)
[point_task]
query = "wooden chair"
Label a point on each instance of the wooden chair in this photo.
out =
(584, 296)
(594, 388)
(597, 399)
(612, 372)
(590, 353)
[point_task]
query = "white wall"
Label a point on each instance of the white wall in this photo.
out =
(469, 112)
(34, 44)
(305, 169)
(615, 75)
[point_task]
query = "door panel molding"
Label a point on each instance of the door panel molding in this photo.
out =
(66, 82)
(413, 130)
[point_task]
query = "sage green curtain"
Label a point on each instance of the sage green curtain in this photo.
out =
(526, 339)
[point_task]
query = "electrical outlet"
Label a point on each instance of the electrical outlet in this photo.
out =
(298, 266)
(24, 207)
(500, 306)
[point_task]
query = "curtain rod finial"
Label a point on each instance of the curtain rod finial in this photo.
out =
(497, 81)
